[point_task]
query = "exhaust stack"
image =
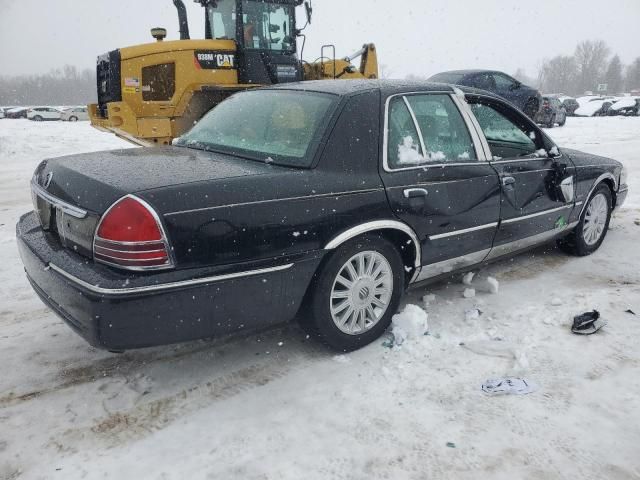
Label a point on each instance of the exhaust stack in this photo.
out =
(182, 19)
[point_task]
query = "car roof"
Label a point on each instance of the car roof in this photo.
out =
(468, 71)
(354, 87)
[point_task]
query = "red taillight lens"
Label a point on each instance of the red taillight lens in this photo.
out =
(130, 236)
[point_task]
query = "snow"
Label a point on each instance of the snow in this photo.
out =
(469, 293)
(409, 324)
(228, 409)
(624, 102)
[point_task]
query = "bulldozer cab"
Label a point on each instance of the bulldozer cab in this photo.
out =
(265, 35)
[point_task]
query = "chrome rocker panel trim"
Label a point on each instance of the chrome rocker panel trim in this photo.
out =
(463, 231)
(164, 286)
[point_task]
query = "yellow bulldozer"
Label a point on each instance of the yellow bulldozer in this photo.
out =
(151, 93)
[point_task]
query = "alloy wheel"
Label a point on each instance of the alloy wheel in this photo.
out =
(361, 292)
(595, 219)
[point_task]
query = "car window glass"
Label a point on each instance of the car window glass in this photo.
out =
(443, 129)
(502, 81)
(403, 145)
(485, 81)
(506, 138)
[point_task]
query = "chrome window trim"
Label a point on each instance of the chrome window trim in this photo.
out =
(56, 202)
(537, 214)
(532, 159)
(378, 225)
(257, 202)
(426, 165)
(463, 231)
(170, 263)
(483, 152)
(165, 286)
(417, 125)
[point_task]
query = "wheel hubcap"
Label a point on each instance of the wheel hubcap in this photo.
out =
(595, 219)
(361, 292)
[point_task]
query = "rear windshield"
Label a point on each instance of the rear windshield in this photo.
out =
(272, 126)
(447, 77)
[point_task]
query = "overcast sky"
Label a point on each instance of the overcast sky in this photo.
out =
(413, 36)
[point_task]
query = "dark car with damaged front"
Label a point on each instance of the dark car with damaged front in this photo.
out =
(320, 201)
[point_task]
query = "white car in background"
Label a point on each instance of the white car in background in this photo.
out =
(1, 112)
(593, 106)
(74, 114)
(40, 114)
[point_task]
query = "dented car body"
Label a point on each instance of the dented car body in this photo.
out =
(230, 230)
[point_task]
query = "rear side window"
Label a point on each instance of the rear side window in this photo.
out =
(158, 82)
(439, 130)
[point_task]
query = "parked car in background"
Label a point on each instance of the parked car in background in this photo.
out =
(319, 200)
(627, 106)
(16, 112)
(551, 112)
(40, 114)
(592, 106)
(1, 113)
(526, 98)
(570, 105)
(74, 114)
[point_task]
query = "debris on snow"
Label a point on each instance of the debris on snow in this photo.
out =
(630, 311)
(508, 386)
(341, 358)
(428, 299)
(468, 278)
(451, 445)
(472, 314)
(587, 323)
(411, 323)
(497, 348)
(556, 302)
(469, 293)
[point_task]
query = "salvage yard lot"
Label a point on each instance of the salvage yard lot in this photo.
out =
(277, 405)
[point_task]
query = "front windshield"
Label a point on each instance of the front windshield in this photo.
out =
(266, 26)
(279, 126)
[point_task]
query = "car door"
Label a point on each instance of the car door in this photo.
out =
(538, 189)
(438, 181)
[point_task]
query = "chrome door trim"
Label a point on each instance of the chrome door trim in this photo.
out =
(56, 202)
(463, 231)
(450, 265)
(537, 214)
(378, 225)
(164, 286)
(540, 238)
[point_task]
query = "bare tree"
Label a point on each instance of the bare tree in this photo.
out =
(522, 77)
(591, 57)
(558, 75)
(613, 77)
(632, 81)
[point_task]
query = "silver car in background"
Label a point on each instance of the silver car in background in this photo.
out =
(74, 114)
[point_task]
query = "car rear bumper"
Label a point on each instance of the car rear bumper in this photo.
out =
(117, 311)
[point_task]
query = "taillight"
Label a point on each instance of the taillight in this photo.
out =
(131, 236)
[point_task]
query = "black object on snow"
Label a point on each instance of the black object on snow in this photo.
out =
(587, 323)
(630, 311)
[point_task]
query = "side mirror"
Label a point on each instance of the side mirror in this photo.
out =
(309, 11)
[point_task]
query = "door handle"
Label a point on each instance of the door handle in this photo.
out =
(415, 192)
(506, 181)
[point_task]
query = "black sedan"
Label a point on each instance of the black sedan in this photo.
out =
(321, 201)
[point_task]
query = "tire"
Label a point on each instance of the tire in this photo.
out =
(37, 118)
(328, 317)
(564, 120)
(552, 121)
(584, 240)
(73, 119)
(531, 108)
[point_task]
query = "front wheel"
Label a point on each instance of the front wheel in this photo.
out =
(592, 226)
(73, 119)
(356, 293)
(564, 120)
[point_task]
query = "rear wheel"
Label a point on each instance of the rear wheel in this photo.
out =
(564, 120)
(593, 224)
(73, 119)
(356, 293)
(37, 118)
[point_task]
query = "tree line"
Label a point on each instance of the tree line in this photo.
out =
(65, 86)
(591, 64)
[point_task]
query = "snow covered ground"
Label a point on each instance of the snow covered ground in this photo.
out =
(278, 406)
